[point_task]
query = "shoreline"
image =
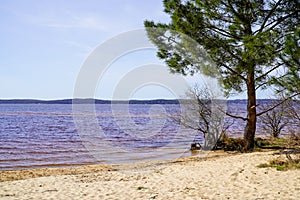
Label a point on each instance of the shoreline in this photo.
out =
(219, 175)
(23, 174)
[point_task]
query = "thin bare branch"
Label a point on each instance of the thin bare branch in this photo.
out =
(278, 104)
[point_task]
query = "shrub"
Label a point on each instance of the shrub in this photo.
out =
(230, 144)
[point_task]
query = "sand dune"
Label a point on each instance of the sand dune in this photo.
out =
(216, 176)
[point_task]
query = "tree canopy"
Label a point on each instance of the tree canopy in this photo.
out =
(250, 42)
(289, 82)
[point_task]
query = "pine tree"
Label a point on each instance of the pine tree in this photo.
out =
(245, 38)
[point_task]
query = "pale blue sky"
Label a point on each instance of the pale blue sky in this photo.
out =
(45, 42)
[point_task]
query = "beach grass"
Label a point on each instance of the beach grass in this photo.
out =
(282, 165)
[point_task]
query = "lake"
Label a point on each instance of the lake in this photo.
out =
(53, 135)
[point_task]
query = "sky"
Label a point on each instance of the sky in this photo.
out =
(45, 43)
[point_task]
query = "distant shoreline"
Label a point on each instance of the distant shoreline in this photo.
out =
(100, 101)
(88, 101)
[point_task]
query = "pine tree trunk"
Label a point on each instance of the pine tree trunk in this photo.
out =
(249, 132)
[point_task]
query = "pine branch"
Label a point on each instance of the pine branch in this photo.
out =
(281, 19)
(269, 15)
(236, 117)
(262, 84)
(234, 72)
(235, 12)
(223, 32)
(265, 74)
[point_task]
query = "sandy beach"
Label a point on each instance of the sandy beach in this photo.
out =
(218, 175)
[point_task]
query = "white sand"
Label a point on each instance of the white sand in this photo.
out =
(222, 177)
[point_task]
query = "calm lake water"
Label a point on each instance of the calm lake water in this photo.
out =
(49, 135)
